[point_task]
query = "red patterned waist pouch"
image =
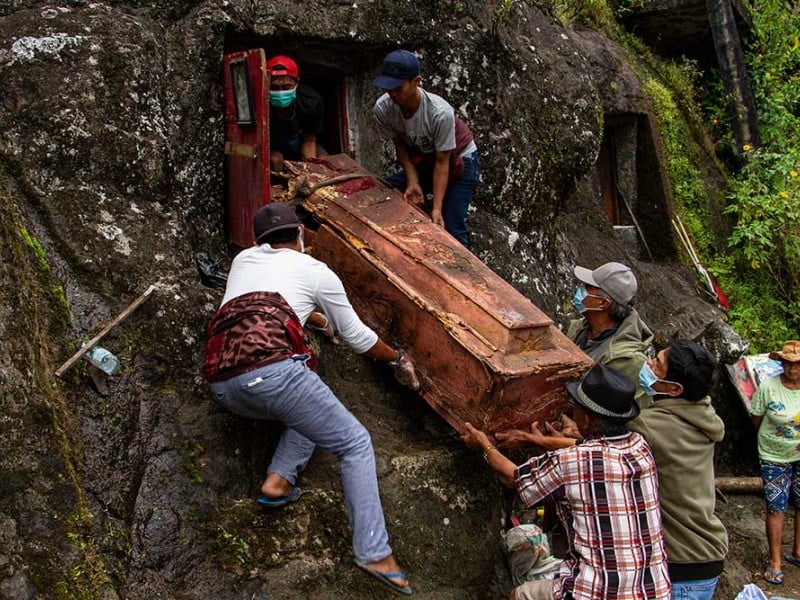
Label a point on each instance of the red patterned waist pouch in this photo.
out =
(251, 331)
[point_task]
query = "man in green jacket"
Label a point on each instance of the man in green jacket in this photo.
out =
(610, 330)
(682, 428)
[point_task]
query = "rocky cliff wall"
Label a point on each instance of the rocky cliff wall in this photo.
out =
(112, 174)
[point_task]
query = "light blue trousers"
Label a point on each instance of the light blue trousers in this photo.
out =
(288, 392)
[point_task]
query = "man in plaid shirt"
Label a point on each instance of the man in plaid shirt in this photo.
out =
(605, 489)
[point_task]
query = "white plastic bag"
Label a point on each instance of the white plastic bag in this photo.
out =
(751, 592)
(528, 553)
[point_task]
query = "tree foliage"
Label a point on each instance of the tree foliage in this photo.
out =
(763, 265)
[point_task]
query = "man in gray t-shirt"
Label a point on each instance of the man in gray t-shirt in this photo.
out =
(435, 149)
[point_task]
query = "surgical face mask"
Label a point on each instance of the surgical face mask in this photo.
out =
(282, 98)
(579, 296)
(647, 379)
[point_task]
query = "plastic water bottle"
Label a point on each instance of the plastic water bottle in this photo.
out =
(102, 359)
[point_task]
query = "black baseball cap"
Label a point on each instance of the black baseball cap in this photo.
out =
(273, 217)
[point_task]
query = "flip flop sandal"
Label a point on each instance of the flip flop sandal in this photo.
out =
(773, 577)
(792, 560)
(386, 578)
(293, 496)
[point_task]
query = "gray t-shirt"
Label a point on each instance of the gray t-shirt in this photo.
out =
(431, 129)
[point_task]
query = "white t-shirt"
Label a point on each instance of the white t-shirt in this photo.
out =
(431, 129)
(305, 283)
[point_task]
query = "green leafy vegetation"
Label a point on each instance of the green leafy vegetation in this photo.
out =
(759, 265)
(191, 450)
(763, 266)
(232, 547)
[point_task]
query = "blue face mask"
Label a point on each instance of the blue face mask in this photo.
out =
(647, 379)
(282, 98)
(579, 296)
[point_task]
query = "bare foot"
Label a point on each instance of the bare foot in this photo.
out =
(275, 486)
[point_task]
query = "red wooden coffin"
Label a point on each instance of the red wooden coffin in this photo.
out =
(484, 353)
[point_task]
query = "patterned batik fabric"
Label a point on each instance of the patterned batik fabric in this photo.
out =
(606, 496)
(781, 485)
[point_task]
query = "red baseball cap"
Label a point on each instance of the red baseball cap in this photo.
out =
(283, 65)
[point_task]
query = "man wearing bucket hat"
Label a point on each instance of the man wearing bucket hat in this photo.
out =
(256, 366)
(296, 114)
(606, 496)
(610, 330)
(435, 148)
(775, 411)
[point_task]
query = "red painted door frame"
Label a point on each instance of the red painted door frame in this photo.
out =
(246, 83)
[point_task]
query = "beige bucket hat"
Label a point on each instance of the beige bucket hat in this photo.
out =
(790, 352)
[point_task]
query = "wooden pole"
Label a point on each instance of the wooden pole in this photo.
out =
(93, 342)
(739, 485)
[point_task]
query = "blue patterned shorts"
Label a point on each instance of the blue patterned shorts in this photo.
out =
(781, 485)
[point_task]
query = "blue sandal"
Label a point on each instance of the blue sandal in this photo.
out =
(792, 560)
(773, 577)
(386, 578)
(293, 496)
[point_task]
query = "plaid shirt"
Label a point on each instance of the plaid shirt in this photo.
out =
(606, 496)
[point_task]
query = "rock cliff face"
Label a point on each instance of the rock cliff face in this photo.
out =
(112, 177)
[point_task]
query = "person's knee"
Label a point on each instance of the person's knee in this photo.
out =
(359, 439)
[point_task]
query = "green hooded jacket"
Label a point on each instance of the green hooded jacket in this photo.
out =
(626, 349)
(682, 435)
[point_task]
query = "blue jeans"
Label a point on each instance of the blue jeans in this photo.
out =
(288, 392)
(696, 589)
(457, 197)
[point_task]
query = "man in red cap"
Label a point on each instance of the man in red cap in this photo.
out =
(295, 114)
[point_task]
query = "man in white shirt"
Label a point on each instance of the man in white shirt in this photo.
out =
(435, 148)
(256, 366)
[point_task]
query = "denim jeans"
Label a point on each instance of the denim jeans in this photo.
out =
(696, 589)
(288, 392)
(457, 197)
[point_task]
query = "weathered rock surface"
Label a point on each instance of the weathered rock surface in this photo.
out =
(111, 177)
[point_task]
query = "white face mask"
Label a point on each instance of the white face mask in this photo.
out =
(302, 242)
